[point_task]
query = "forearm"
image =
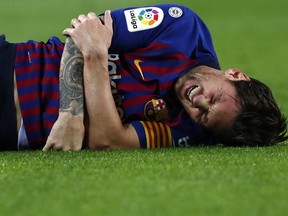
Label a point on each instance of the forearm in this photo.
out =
(67, 132)
(99, 101)
(106, 130)
(71, 80)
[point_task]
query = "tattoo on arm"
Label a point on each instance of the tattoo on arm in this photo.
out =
(71, 79)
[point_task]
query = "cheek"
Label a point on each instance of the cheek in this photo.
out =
(186, 106)
(193, 113)
(224, 115)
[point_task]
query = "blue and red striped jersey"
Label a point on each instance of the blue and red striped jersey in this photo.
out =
(151, 47)
(155, 45)
(37, 74)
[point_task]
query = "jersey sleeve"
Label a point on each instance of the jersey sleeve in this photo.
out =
(162, 135)
(176, 26)
(153, 134)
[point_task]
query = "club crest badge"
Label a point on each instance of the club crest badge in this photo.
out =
(175, 12)
(156, 110)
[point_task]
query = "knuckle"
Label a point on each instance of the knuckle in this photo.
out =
(74, 20)
(91, 14)
(81, 16)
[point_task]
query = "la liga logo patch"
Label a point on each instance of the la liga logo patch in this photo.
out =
(148, 16)
(140, 19)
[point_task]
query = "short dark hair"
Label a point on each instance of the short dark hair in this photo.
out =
(260, 122)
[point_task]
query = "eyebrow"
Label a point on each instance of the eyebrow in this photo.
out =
(235, 99)
(219, 94)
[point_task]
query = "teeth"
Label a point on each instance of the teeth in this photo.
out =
(192, 91)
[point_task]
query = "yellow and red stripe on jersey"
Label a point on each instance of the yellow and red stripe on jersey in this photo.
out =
(157, 134)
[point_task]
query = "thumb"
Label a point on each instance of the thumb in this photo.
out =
(108, 21)
(68, 31)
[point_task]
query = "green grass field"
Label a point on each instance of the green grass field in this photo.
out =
(250, 35)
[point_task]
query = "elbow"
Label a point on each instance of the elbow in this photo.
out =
(99, 144)
(120, 140)
(96, 140)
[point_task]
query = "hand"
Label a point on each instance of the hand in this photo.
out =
(67, 133)
(90, 35)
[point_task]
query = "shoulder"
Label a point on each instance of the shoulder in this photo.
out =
(154, 14)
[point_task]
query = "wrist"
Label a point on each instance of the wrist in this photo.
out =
(95, 55)
(69, 115)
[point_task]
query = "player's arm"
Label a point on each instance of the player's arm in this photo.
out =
(68, 131)
(105, 129)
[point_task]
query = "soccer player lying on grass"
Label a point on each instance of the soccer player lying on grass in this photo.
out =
(164, 64)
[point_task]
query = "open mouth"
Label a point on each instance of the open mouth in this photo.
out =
(192, 91)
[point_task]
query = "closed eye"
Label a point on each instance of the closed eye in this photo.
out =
(216, 97)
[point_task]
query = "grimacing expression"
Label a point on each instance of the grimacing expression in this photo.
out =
(209, 97)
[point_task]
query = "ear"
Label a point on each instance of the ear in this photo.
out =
(236, 75)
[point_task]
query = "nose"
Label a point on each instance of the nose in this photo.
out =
(203, 104)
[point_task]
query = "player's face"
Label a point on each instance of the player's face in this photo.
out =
(209, 97)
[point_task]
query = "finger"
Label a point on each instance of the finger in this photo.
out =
(74, 22)
(57, 148)
(52, 147)
(47, 147)
(108, 22)
(68, 31)
(91, 15)
(82, 18)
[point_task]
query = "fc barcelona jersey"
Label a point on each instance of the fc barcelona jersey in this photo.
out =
(151, 47)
